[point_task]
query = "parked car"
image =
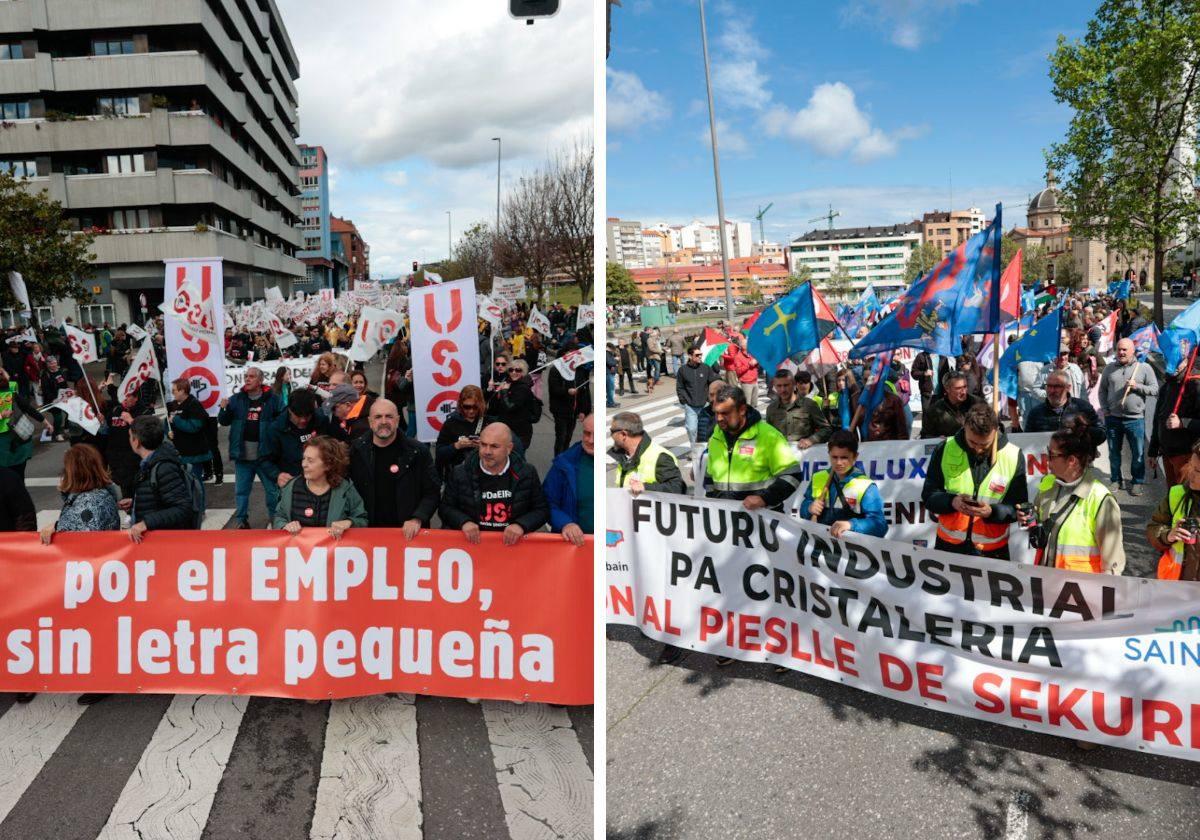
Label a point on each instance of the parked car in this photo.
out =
(1179, 287)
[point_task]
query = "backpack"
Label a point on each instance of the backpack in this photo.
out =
(194, 488)
(535, 410)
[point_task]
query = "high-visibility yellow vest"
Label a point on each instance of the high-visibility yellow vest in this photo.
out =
(956, 472)
(1076, 547)
(1175, 501)
(853, 490)
(760, 453)
(8, 398)
(646, 467)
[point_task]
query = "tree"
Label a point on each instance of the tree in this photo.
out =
(36, 241)
(572, 213)
(1066, 274)
(527, 244)
(1132, 82)
(671, 287)
(1035, 263)
(922, 259)
(797, 278)
(839, 283)
(620, 288)
(474, 256)
(751, 291)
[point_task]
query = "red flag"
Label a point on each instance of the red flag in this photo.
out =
(750, 319)
(1010, 291)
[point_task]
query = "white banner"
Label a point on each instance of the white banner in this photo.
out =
(83, 345)
(539, 322)
(284, 338)
(1091, 657)
(79, 412)
(17, 284)
(490, 311)
(376, 327)
(433, 278)
(25, 335)
(300, 369)
(568, 363)
(509, 289)
(445, 339)
(586, 314)
(142, 369)
(328, 295)
(135, 332)
(191, 355)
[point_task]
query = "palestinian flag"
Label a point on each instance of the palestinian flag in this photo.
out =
(713, 345)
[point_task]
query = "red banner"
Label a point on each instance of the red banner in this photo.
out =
(262, 613)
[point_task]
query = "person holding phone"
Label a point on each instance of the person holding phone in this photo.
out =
(973, 484)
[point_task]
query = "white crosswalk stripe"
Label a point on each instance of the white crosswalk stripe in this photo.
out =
(662, 417)
(370, 780)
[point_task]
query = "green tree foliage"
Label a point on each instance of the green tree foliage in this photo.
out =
(1133, 85)
(620, 289)
(838, 285)
(751, 292)
(1066, 274)
(474, 256)
(1034, 259)
(797, 278)
(36, 240)
(921, 260)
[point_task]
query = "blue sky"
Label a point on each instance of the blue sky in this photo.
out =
(882, 108)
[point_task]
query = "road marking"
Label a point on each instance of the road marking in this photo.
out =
(545, 782)
(215, 519)
(52, 481)
(29, 735)
(171, 791)
(371, 772)
(1017, 818)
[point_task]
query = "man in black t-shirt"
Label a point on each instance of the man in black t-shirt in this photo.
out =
(494, 490)
(394, 475)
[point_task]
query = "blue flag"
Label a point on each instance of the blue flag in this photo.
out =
(1119, 289)
(869, 301)
(960, 296)
(1145, 340)
(1188, 319)
(876, 389)
(1176, 345)
(1028, 300)
(791, 327)
(1040, 344)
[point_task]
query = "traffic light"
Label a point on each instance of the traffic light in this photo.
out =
(527, 10)
(415, 266)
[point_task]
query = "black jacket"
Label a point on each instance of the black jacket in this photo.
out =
(1043, 418)
(417, 483)
(462, 501)
(287, 443)
(1164, 441)
(17, 512)
(691, 384)
(456, 426)
(190, 441)
(514, 406)
(563, 404)
(943, 419)
(171, 508)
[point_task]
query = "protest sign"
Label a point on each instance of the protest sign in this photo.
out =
(194, 355)
(83, 345)
(25, 335)
(568, 363)
(136, 333)
(490, 311)
(445, 339)
(142, 369)
(539, 322)
(78, 410)
(376, 327)
(300, 369)
(586, 314)
(510, 289)
(1093, 657)
(284, 338)
(264, 613)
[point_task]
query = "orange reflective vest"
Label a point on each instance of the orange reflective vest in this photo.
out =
(955, 527)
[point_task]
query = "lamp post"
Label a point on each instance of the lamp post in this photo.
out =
(712, 128)
(499, 146)
(449, 238)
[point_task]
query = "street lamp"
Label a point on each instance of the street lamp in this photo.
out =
(712, 128)
(449, 238)
(499, 146)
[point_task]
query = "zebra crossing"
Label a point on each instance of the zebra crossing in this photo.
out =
(662, 417)
(186, 767)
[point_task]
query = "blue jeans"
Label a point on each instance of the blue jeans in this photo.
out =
(198, 471)
(244, 473)
(691, 420)
(610, 384)
(1132, 429)
(652, 374)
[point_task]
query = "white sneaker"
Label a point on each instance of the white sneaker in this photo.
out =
(474, 701)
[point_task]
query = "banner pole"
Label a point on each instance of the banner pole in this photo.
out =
(1187, 374)
(996, 388)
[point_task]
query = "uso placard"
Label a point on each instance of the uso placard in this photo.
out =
(443, 323)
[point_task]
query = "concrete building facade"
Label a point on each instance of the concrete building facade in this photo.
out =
(872, 255)
(357, 252)
(949, 229)
(317, 249)
(624, 242)
(169, 129)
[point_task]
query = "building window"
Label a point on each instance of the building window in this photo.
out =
(118, 106)
(19, 168)
(11, 50)
(129, 219)
(14, 110)
(126, 164)
(119, 46)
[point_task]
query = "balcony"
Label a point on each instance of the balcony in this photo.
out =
(18, 75)
(167, 243)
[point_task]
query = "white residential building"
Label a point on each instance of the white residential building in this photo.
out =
(872, 255)
(625, 243)
(769, 252)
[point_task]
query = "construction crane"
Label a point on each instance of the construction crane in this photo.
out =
(830, 216)
(762, 211)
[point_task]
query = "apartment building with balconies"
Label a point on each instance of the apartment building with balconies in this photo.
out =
(167, 128)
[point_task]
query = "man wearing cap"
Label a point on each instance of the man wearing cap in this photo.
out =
(394, 474)
(249, 413)
(347, 413)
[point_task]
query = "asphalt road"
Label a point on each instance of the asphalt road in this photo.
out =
(697, 751)
(393, 766)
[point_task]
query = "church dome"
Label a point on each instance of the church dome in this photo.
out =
(1045, 201)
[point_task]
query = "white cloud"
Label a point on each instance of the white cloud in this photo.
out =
(405, 96)
(629, 104)
(729, 140)
(833, 124)
(736, 76)
(907, 23)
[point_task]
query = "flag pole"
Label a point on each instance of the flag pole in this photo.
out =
(1187, 374)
